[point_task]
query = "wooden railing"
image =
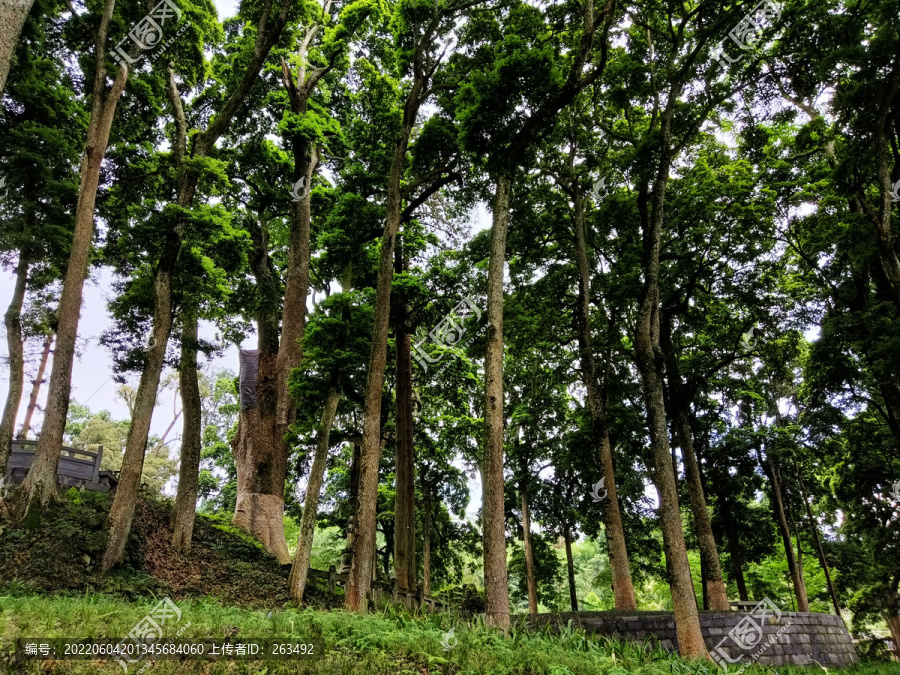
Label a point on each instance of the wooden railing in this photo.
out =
(381, 591)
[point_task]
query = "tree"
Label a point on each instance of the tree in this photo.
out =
(39, 487)
(190, 165)
(506, 149)
(419, 30)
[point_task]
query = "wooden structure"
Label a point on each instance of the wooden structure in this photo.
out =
(77, 468)
(381, 592)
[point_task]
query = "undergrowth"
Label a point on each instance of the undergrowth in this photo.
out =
(62, 557)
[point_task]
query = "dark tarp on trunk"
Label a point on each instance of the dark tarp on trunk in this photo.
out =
(249, 369)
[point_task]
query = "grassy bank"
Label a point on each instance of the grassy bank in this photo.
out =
(386, 642)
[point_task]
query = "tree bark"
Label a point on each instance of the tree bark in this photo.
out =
(529, 560)
(36, 389)
(650, 364)
(262, 468)
(300, 568)
(12, 18)
(347, 557)
(404, 471)
(496, 586)
(570, 566)
(734, 550)
(887, 251)
(191, 443)
(825, 568)
(893, 624)
(771, 469)
(256, 446)
(715, 583)
(39, 486)
(623, 588)
(12, 319)
(426, 546)
(364, 546)
(260, 494)
(714, 593)
(122, 511)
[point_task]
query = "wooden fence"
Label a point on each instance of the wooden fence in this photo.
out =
(381, 592)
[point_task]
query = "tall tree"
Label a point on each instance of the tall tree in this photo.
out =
(39, 486)
(190, 167)
(185, 508)
(419, 28)
(507, 149)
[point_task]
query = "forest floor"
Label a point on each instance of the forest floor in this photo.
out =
(229, 586)
(63, 555)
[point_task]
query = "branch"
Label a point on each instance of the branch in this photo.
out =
(180, 141)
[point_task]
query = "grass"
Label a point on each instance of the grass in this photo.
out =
(50, 587)
(390, 641)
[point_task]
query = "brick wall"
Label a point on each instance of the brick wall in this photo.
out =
(793, 639)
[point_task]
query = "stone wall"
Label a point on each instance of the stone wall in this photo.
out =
(795, 638)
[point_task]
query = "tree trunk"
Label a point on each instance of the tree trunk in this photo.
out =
(650, 364)
(39, 486)
(715, 583)
(623, 588)
(256, 457)
(122, 511)
(404, 471)
(189, 469)
(771, 469)
(13, 322)
(812, 523)
(300, 568)
(529, 560)
(570, 566)
(347, 557)
(715, 595)
(36, 389)
(12, 18)
(364, 546)
(734, 550)
(703, 584)
(887, 251)
(262, 468)
(893, 623)
(426, 546)
(261, 460)
(496, 586)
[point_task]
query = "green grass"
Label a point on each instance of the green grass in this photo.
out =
(390, 641)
